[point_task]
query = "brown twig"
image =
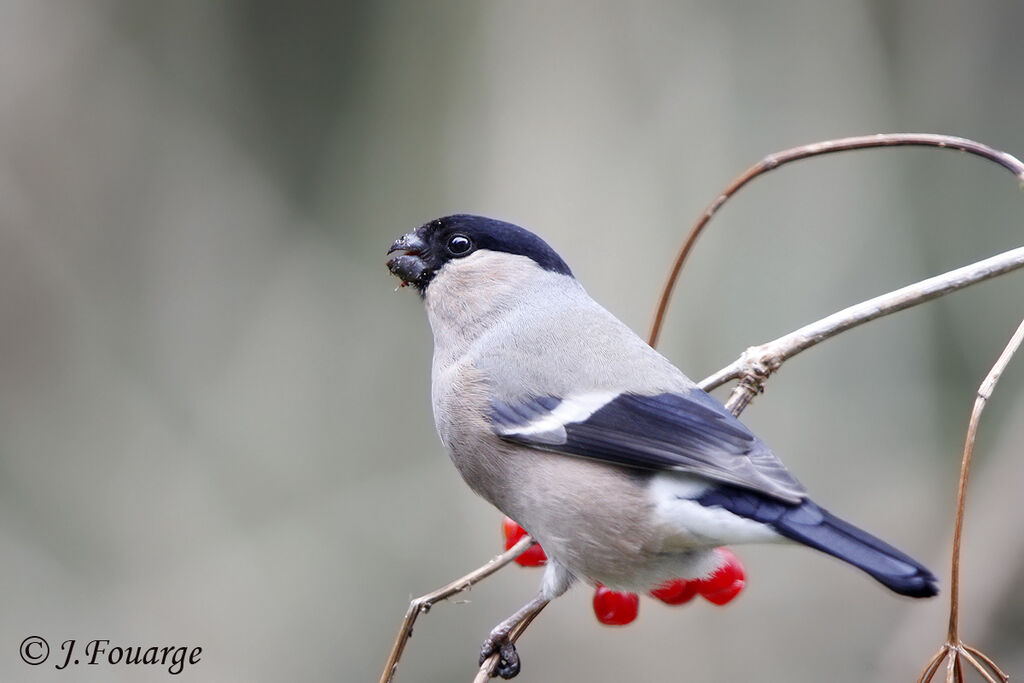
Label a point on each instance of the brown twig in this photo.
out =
(773, 161)
(425, 602)
(954, 648)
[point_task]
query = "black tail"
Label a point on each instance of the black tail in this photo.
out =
(811, 525)
(820, 529)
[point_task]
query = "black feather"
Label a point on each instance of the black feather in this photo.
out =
(816, 527)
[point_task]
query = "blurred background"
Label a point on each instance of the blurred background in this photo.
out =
(214, 410)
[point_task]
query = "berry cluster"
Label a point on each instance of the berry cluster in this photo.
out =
(617, 608)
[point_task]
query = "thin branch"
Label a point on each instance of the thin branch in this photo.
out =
(955, 648)
(758, 362)
(773, 161)
(979, 667)
(933, 666)
(984, 393)
(988, 662)
(955, 672)
(425, 602)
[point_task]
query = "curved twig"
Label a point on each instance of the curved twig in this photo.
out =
(773, 161)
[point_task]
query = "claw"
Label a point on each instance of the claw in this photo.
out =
(489, 648)
(508, 665)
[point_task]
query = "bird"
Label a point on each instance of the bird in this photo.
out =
(616, 463)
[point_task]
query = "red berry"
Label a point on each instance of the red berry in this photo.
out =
(726, 581)
(534, 555)
(615, 608)
(676, 592)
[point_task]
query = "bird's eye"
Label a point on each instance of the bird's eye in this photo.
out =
(459, 245)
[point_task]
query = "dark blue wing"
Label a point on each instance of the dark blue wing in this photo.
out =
(688, 432)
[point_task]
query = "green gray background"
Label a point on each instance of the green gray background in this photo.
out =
(214, 410)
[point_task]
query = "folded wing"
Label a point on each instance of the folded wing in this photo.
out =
(688, 432)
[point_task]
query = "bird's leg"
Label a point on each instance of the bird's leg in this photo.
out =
(557, 580)
(499, 640)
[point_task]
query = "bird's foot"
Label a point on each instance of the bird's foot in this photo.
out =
(499, 642)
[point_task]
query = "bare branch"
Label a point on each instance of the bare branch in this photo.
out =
(987, 662)
(933, 666)
(758, 362)
(984, 393)
(955, 648)
(773, 161)
(966, 652)
(425, 602)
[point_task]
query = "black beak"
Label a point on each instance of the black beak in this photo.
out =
(409, 267)
(411, 243)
